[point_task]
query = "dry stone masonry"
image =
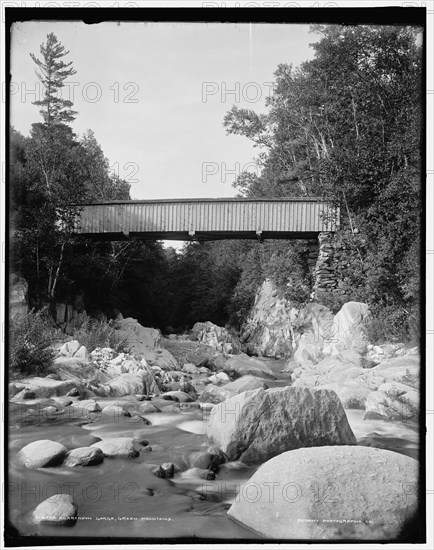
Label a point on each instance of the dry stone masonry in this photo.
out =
(325, 279)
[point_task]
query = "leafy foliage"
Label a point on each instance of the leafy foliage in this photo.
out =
(346, 126)
(52, 175)
(217, 281)
(30, 338)
(96, 334)
(200, 283)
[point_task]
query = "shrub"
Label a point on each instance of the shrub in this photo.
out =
(99, 334)
(332, 301)
(30, 338)
(390, 324)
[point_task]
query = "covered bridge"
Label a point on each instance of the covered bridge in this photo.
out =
(208, 219)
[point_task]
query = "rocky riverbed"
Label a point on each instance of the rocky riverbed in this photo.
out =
(148, 445)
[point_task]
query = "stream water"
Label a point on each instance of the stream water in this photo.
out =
(123, 498)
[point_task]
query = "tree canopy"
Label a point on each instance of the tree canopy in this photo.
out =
(345, 126)
(53, 71)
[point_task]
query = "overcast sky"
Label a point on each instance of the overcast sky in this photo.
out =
(155, 94)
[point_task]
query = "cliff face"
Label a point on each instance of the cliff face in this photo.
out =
(275, 328)
(18, 290)
(268, 328)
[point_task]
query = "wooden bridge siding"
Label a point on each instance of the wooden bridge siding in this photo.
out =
(204, 216)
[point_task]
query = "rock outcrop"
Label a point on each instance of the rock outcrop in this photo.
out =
(393, 401)
(347, 329)
(136, 338)
(313, 328)
(381, 353)
(69, 316)
(108, 374)
(18, 291)
(330, 493)
(139, 382)
(34, 387)
(256, 425)
(275, 328)
(335, 354)
(355, 384)
(268, 328)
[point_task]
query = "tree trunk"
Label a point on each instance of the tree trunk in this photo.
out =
(37, 259)
(59, 265)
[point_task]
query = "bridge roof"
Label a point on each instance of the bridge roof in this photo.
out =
(208, 218)
(208, 199)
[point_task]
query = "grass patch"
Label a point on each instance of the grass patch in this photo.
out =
(99, 334)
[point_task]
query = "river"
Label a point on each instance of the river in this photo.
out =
(123, 498)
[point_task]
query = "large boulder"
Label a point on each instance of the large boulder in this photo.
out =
(217, 394)
(58, 509)
(219, 378)
(381, 353)
(77, 370)
(189, 368)
(147, 407)
(405, 370)
(205, 460)
(214, 394)
(102, 355)
(214, 336)
(336, 374)
(125, 375)
(347, 332)
(241, 365)
(41, 454)
(178, 396)
(244, 383)
(352, 394)
(161, 358)
(200, 358)
(313, 328)
(84, 456)
(128, 384)
(136, 338)
(393, 401)
(82, 354)
(117, 447)
(330, 493)
(354, 384)
(256, 425)
(69, 348)
(44, 387)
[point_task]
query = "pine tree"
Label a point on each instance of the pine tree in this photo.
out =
(53, 73)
